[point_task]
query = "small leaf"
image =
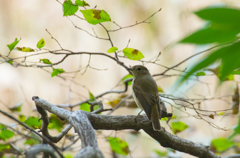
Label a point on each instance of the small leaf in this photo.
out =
(5, 133)
(161, 153)
(32, 141)
(21, 117)
(12, 45)
(10, 62)
(17, 107)
(118, 145)
(81, 3)
(41, 43)
(112, 50)
(160, 90)
(4, 147)
(95, 16)
(127, 77)
(178, 126)
(132, 54)
(56, 123)
(211, 116)
(46, 61)
(85, 107)
(91, 96)
(164, 118)
(25, 49)
(69, 8)
(221, 144)
(221, 113)
(34, 122)
(200, 74)
(56, 72)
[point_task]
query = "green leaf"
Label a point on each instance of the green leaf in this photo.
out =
(226, 55)
(178, 126)
(210, 35)
(4, 147)
(5, 133)
(46, 61)
(12, 45)
(25, 49)
(132, 54)
(161, 153)
(220, 14)
(69, 8)
(164, 118)
(118, 145)
(85, 107)
(95, 16)
(41, 43)
(112, 50)
(81, 3)
(221, 144)
(17, 107)
(56, 123)
(200, 74)
(10, 62)
(34, 122)
(32, 141)
(21, 117)
(91, 96)
(56, 72)
(127, 77)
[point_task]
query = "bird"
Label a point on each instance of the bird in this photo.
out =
(145, 94)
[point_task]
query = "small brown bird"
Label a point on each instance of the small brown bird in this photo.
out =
(145, 94)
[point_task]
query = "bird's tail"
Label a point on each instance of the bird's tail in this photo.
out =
(155, 118)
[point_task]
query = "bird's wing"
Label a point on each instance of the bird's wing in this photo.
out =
(147, 100)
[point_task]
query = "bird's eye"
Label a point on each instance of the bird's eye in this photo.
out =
(139, 69)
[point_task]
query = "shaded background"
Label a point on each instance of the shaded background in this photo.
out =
(28, 20)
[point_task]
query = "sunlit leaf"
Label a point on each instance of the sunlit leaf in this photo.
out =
(161, 153)
(85, 107)
(95, 16)
(221, 144)
(69, 8)
(132, 54)
(112, 50)
(25, 49)
(56, 72)
(46, 61)
(178, 126)
(118, 145)
(200, 74)
(34, 122)
(81, 3)
(12, 45)
(22, 117)
(41, 43)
